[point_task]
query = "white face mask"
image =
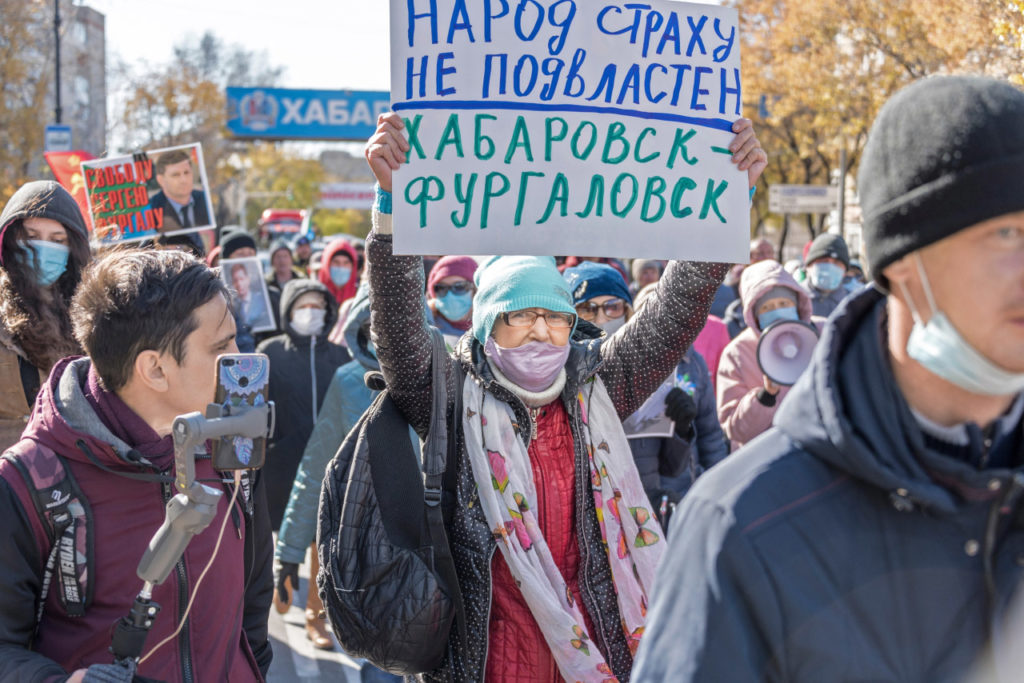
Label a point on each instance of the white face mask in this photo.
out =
(612, 326)
(309, 322)
(942, 350)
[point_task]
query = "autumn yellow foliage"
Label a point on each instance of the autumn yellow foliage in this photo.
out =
(816, 71)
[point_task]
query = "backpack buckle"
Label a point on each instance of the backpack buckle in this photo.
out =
(432, 496)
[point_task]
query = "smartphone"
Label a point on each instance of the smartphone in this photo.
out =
(242, 380)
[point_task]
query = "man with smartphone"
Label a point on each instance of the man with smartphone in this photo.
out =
(153, 324)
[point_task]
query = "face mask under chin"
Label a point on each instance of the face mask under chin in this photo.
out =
(940, 348)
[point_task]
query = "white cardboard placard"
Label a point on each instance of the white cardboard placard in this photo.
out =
(568, 127)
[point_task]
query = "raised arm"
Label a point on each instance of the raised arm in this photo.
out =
(398, 319)
(646, 350)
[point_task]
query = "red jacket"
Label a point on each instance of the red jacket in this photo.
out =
(516, 647)
(228, 618)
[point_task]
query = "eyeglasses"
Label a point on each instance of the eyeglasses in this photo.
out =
(613, 308)
(526, 318)
(462, 287)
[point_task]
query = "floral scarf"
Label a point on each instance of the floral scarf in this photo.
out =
(632, 537)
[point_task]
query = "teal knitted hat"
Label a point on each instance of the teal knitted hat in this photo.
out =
(512, 283)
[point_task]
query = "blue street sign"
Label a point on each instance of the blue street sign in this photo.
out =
(280, 114)
(58, 138)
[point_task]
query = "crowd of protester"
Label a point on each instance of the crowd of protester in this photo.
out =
(857, 524)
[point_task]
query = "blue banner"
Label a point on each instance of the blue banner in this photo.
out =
(280, 114)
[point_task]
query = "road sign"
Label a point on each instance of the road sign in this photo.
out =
(803, 198)
(57, 139)
(281, 114)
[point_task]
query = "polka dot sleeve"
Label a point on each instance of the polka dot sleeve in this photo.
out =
(647, 349)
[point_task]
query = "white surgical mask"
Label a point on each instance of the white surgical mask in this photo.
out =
(612, 325)
(942, 350)
(309, 322)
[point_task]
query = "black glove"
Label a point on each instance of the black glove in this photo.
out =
(285, 573)
(682, 409)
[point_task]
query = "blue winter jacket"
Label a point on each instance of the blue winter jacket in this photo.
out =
(346, 400)
(705, 446)
(843, 544)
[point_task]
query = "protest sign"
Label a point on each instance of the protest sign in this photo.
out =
(148, 194)
(568, 127)
(244, 276)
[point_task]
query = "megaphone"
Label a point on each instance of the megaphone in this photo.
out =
(784, 350)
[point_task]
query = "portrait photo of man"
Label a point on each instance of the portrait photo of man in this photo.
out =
(183, 204)
(252, 301)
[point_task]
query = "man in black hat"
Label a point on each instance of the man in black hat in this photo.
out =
(827, 261)
(874, 532)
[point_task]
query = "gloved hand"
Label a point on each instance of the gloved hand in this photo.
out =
(682, 409)
(106, 673)
(286, 580)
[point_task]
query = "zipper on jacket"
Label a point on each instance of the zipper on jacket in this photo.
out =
(534, 414)
(183, 637)
(312, 372)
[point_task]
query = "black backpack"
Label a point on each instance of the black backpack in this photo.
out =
(387, 578)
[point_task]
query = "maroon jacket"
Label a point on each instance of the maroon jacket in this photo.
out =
(225, 637)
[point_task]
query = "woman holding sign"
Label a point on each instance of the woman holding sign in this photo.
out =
(545, 476)
(44, 246)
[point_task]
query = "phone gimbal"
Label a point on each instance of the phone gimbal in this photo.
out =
(188, 513)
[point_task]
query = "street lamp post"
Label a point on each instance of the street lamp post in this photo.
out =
(56, 43)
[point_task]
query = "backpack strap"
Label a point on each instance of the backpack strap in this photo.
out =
(67, 518)
(439, 450)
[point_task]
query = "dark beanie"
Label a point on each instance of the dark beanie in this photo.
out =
(233, 241)
(828, 245)
(945, 153)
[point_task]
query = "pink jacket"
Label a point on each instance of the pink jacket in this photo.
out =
(740, 379)
(710, 344)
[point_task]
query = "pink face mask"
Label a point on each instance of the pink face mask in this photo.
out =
(533, 366)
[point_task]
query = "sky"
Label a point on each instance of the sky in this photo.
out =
(323, 44)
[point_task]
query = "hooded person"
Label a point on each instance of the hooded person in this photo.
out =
(600, 295)
(450, 291)
(338, 270)
(747, 400)
(826, 264)
(553, 539)
(873, 533)
(346, 400)
(44, 247)
(153, 324)
(302, 363)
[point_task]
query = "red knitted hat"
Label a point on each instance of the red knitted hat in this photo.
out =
(463, 266)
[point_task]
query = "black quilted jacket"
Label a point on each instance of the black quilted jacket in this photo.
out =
(632, 364)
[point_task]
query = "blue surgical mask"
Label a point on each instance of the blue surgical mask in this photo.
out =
(49, 260)
(340, 275)
(826, 276)
(769, 317)
(943, 351)
(454, 306)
